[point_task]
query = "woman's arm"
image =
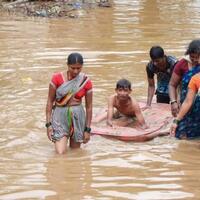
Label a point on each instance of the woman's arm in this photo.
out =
(49, 106)
(185, 107)
(88, 106)
(173, 85)
(50, 101)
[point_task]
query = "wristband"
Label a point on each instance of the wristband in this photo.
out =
(174, 101)
(87, 129)
(48, 124)
(176, 121)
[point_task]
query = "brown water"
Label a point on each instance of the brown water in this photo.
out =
(115, 43)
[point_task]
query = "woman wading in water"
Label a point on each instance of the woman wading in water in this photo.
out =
(65, 115)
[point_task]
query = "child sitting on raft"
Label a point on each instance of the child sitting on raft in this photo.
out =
(125, 120)
(122, 108)
(125, 105)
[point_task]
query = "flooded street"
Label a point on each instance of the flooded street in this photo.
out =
(115, 43)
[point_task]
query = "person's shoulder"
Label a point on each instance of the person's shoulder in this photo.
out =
(194, 83)
(181, 62)
(134, 101)
(172, 60)
(135, 104)
(57, 74)
(149, 65)
(88, 85)
(150, 69)
(56, 79)
(111, 99)
(85, 76)
(113, 96)
(196, 78)
(181, 67)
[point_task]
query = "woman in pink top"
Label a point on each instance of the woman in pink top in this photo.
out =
(182, 73)
(65, 115)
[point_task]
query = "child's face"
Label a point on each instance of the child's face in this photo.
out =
(123, 93)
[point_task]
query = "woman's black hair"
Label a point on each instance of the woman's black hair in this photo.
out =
(193, 47)
(75, 58)
(123, 83)
(156, 52)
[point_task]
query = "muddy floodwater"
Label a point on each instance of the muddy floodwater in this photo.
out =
(115, 43)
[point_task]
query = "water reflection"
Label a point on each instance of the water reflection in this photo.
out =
(149, 170)
(70, 174)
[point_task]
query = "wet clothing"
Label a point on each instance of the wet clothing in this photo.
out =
(194, 83)
(58, 79)
(68, 120)
(162, 99)
(163, 78)
(189, 126)
(186, 79)
(181, 67)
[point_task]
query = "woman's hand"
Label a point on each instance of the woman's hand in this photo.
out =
(174, 109)
(86, 137)
(49, 133)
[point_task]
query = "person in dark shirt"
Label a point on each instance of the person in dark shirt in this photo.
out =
(162, 66)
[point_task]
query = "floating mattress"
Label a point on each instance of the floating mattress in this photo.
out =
(158, 118)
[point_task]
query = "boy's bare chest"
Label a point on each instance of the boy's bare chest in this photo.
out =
(124, 107)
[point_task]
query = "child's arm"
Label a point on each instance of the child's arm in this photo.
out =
(139, 115)
(110, 111)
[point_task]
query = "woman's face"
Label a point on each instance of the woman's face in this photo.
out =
(195, 58)
(74, 69)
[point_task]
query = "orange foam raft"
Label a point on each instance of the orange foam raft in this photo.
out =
(158, 118)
